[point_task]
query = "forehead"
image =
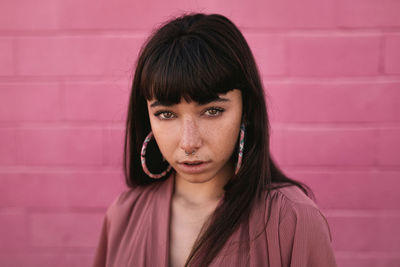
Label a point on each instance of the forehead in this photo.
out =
(229, 97)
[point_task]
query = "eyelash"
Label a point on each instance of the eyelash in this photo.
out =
(159, 113)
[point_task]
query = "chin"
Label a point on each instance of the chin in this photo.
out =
(197, 178)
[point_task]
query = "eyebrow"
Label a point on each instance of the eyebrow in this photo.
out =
(168, 104)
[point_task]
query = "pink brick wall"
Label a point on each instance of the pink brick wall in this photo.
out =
(332, 74)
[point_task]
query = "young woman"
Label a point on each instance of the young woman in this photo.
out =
(204, 190)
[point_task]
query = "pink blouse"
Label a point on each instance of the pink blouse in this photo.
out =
(136, 227)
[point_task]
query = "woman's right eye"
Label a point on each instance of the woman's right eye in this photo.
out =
(164, 115)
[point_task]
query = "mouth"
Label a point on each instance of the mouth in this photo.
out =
(193, 166)
(192, 163)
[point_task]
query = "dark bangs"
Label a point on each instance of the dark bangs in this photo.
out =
(188, 67)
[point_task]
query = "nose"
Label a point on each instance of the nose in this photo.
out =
(190, 136)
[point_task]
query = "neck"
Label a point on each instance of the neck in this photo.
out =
(199, 193)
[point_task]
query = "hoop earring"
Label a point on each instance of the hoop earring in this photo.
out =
(241, 148)
(143, 160)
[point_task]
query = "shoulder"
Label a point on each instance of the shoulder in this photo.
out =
(303, 231)
(124, 200)
(131, 201)
(295, 195)
(297, 210)
(290, 198)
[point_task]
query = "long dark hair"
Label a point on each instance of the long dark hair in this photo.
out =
(198, 56)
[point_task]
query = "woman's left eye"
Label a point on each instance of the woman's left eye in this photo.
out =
(213, 112)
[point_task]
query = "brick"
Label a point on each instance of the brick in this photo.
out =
(60, 190)
(60, 146)
(353, 189)
(6, 55)
(95, 189)
(8, 144)
(334, 102)
(277, 144)
(32, 190)
(96, 101)
(122, 14)
(366, 232)
(368, 13)
(269, 52)
(127, 14)
(277, 14)
(29, 102)
(29, 15)
(114, 147)
(392, 54)
(389, 147)
(65, 229)
(114, 56)
(330, 147)
(333, 55)
(47, 258)
(367, 260)
(13, 230)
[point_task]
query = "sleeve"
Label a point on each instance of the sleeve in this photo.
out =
(305, 238)
(103, 248)
(101, 252)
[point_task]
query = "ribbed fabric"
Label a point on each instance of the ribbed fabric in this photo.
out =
(136, 232)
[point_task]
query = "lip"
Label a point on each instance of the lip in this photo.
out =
(193, 169)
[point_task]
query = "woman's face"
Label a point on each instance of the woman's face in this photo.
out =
(198, 140)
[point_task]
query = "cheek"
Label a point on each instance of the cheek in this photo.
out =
(224, 139)
(165, 140)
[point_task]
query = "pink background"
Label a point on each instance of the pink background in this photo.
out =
(331, 69)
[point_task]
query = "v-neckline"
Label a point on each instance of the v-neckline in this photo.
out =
(170, 188)
(167, 236)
